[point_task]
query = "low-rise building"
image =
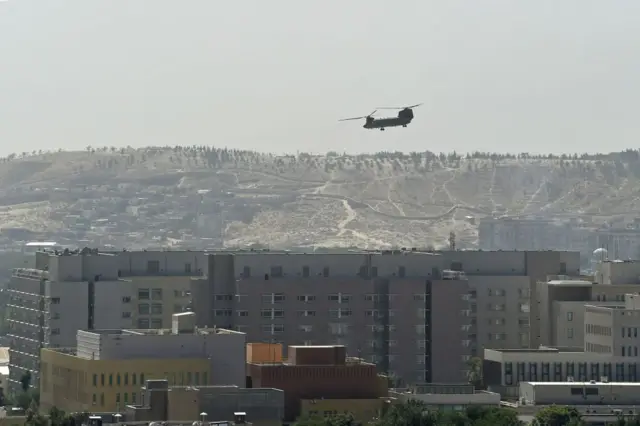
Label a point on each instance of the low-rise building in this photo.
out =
(579, 393)
(319, 372)
(504, 370)
(161, 402)
(446, 397)
(107, 369)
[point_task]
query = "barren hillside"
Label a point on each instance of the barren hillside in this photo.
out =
(387, 199)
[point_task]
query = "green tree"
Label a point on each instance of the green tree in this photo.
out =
(556, 415)
(410, 413)
(25, 381)
(474, 375)
(336, 420)
(33, 418)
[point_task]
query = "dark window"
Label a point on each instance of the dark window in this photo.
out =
(595, 371)
(401, 271)
(571, 370)
(325, 272)
(582, 371)
(508, 373)
(187, 268)
(577, 391)
(632, 373)
(276, 271)
(533, 371)
(557, 371)
(545, 372)
(591, 391)
(246, 272)
(521, 376)
(607, 371)
(153, 266)
(305, 271)
(619, 372)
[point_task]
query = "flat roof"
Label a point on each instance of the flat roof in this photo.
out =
(570, 282)
(627, 384)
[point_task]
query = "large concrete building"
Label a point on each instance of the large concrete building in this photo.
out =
(406, 311)
(69, 291)
(561, 303)
(108, 366)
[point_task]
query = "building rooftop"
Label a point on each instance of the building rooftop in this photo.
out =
(579, 283)
(162, 332)
(591, 383)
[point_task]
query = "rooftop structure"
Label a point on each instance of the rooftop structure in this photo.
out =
(318, 372)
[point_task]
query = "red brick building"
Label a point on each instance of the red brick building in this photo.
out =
(318, 372)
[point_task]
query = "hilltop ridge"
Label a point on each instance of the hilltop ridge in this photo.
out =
(177, 195)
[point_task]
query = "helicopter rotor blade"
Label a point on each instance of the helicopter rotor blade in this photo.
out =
(405, 107)
(358, 118)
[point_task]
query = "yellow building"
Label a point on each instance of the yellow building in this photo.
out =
(364, 410)
(76, 384)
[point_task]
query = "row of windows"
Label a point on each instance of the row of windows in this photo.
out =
(333, 313)
(629, 351)
(146, 309)
(134, 398)
(150, 294)
(308, 298)
(630, 332)
(306, 272)
(178, 379)
(600, 330)
(558, 372)
(146, 323)
(597, 348)
(153, 267)
(120, 379)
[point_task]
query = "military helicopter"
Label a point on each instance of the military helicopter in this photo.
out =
(405, 116)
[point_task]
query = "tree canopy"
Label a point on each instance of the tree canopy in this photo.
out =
(417, 413)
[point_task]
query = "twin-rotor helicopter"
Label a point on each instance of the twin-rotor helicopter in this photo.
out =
(404, 117)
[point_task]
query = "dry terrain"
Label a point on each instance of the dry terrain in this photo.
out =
(382, 200)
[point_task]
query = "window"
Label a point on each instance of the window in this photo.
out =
(196, 378)
(325, 272)
(126, 299)
(126, 315)
(102, 399)
(569, 333)
(142, 379)
(118, 398)
(118, 379)
(569, 316)
(143, 323)
(95, 381)
(126, 379)
(222, 312)
(306, 271)
(276, 272)
(143, 294)
(243, 313)
(102, 379)
(133, 379)
(94, 399)
(306, 313)
(110, 379)
(205, 378)
(508, 373)
(224, 297)
(153, 266)
(419, 297)
(246, 272)
(306, 298)
(143, 309)
(187, 268)
(156, 294)
(156, 323)
(401, 271)
(156, 309)
(126, 398)
(55, 300)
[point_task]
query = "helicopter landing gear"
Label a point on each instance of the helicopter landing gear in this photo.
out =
(382, 129)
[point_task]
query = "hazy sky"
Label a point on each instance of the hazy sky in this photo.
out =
(276, 75)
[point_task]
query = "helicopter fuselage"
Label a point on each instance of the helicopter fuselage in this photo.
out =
(381, 123)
